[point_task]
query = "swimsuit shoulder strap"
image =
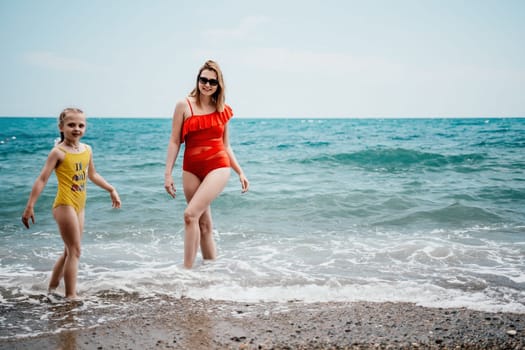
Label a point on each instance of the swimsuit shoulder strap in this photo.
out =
(189, 104)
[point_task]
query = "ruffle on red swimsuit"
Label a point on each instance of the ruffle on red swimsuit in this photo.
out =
(203, 135)
(205, 121)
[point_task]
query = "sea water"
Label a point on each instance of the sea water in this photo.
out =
(430, 211)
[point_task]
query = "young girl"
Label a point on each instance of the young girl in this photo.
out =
(201, 120)
(73, 163)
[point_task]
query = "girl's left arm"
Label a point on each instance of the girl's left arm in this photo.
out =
(245, 184)
(98, 180)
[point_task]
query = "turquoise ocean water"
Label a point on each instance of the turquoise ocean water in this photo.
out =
(430, 211)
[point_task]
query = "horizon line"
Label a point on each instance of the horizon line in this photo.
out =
(288, 117)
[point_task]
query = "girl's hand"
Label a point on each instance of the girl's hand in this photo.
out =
(28, 214)
(115, 199)
(245, 184)
(169, 186)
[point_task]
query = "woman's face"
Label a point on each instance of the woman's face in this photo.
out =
(208, 82)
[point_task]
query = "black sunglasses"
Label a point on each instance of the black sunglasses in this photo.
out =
(204, 81)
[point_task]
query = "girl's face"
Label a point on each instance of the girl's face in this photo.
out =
(73, 126)
(208, 83)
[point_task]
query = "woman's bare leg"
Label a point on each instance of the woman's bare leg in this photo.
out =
(199, 196)
(208, 249)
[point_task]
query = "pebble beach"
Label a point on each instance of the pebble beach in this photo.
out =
(393, 233)
(205, 324)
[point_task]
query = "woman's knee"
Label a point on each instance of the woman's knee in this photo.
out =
(205, 226)
(190, 216)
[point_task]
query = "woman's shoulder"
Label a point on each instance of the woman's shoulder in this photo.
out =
(183, 101)
(183, 106)
(227, 112)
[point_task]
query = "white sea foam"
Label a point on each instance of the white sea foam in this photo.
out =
(378, 210)
(436, 269)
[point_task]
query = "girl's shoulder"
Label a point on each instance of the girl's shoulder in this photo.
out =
(83, 147)
(58, 149)
(87, 148)
(57, 153)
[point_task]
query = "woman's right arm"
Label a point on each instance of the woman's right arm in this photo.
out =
(52, 160)
(174, 146)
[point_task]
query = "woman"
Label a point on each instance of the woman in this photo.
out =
(201, 121)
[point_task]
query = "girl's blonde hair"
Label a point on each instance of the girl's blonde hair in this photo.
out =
(63, 116)
(219, 97)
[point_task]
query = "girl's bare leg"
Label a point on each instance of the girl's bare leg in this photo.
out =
(70, 226)
(58, 271)
(199, 196)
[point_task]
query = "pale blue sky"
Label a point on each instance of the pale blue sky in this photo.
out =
(377, 58)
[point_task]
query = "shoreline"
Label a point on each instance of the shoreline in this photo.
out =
(209, 324)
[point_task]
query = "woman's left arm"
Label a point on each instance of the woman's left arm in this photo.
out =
(245, 184)
(98, 180)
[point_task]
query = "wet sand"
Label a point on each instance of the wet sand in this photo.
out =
(205, 324)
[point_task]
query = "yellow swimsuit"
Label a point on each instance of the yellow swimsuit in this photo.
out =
(72, 176)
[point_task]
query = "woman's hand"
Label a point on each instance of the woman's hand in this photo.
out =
(169, 186)
(245, 184)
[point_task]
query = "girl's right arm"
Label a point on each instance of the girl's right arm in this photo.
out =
(174, 146)
(52, 161)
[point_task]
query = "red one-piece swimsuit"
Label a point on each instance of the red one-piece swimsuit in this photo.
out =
(203, 135)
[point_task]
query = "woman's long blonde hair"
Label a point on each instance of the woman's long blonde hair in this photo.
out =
(219, 97)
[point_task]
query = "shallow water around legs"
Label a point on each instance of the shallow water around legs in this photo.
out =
(420, 210)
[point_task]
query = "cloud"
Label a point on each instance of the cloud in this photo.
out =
(291, 60)
(246, 28)
(371, 69)
(50, 60)
(309, 62)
